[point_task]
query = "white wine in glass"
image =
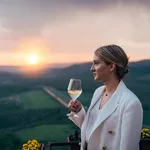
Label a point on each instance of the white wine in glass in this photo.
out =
(74, 89)
(74, 94)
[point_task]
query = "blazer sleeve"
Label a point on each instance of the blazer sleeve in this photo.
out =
(78, 120)
(131, 126)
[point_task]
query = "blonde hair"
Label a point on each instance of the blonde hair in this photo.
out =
(116, 55)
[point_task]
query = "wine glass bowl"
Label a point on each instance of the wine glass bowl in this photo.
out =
(74, 90)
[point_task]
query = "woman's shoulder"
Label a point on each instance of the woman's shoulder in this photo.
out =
(129, 97)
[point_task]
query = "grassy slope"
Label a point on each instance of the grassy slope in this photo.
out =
(38, 100)
(47, 132)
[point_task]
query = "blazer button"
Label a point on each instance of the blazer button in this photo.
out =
(104, 147)
(111, 131)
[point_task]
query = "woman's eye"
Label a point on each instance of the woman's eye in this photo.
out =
(96, 62)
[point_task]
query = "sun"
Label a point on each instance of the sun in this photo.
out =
(32, 59)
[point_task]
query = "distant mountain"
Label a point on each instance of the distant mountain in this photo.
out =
(9, 68)
(12, 69)
(140, 63)
(137, 79)
(139, 71)
(78, 69)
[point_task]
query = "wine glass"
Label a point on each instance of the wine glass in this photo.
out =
(74, 90)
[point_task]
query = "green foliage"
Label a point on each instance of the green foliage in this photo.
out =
(53, 133)
(10, 141)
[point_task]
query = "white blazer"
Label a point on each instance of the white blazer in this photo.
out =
(119, 124)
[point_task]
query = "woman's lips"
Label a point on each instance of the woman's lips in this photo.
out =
(94, 74)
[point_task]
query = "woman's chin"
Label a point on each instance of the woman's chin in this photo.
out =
(95, 78)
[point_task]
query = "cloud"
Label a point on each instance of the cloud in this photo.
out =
(67, 26)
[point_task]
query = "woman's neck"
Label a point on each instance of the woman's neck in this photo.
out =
(110, 86)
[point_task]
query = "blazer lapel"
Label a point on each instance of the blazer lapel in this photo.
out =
(110, 106)
(84, 125)
(96, 98)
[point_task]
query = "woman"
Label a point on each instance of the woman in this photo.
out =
(114, 118)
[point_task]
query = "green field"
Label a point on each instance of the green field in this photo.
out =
(38, 100)
(46, 133)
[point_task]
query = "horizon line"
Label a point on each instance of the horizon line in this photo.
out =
(73, 63)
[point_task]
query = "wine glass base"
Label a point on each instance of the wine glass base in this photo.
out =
(72, 114)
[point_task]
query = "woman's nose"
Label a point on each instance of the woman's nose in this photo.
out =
(92, 68)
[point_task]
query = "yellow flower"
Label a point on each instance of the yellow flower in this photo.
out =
(39, 145)
(145, 133)
(35, 147)
(25, 145)
(31, 145)
(29, 142)
(35, 141)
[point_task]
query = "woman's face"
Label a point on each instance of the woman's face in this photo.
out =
(101, 70)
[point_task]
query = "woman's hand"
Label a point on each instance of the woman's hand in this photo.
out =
(75, 106)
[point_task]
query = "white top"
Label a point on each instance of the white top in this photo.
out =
(93, 114)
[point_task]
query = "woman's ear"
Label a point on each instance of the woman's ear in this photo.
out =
(112, 67)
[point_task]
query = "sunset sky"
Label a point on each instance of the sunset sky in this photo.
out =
(65, 31)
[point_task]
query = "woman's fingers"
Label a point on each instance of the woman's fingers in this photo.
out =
(73, 109)
(78, 107)
(74, 105)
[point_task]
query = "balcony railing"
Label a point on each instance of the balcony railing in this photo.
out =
(75, 145)
(145, 144)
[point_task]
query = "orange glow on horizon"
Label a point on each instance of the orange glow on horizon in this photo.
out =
(20, 59)
(32, 51)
